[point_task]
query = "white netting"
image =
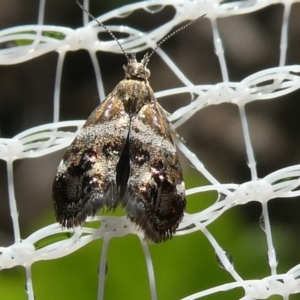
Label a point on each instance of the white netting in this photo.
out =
(20, 44)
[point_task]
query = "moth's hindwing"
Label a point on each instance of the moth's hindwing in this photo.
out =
(86, 177)
(155, 196)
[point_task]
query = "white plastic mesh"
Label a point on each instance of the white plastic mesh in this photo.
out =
(270, 83)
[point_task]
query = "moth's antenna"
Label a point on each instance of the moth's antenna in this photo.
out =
(102, 25)
(170, 35)
(147, 56)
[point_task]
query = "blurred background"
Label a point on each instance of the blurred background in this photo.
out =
(251, 44)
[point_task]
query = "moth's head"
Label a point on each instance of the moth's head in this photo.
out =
(137, 70)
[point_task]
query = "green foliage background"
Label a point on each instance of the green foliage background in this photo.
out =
(184, 265)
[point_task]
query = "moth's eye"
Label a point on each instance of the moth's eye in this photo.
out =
(148, 73)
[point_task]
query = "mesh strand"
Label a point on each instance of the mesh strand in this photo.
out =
(275, 82)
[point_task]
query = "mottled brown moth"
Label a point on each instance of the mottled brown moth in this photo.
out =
(124, 154)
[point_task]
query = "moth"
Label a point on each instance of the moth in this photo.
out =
(125, 155)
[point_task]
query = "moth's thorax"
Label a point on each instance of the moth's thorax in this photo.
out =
(134, 94)
(134, 91)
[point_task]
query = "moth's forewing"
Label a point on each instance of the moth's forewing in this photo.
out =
(155, 196)
(86, 177)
